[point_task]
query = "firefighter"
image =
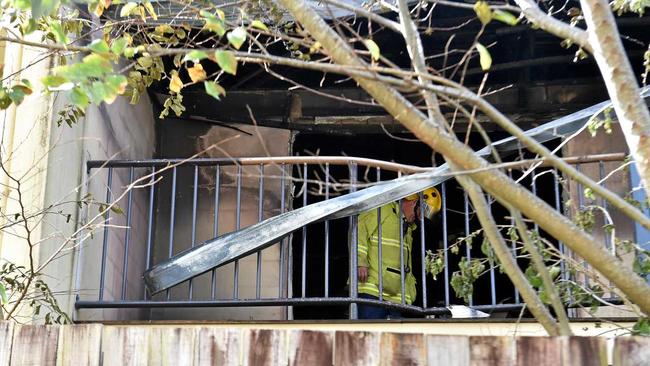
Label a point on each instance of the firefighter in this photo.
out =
(368, 253)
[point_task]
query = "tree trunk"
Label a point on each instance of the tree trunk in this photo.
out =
(623, 89)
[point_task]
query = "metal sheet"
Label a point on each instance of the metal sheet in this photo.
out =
(232, 246)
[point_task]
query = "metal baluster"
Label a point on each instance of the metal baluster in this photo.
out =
(422, 255)
(327, 232)
(467, 248)
(563, 271)
(493, 284)
(127, 234)
(215, 230)
(172, 221)
(109, 182)
(581, 204)
(380, 260)
(260, 216)
(514, 247)
(445, 243)
(354, 250)
(194, 209)
(235, 289)
(150, 221)
(303, 274)
(533, 185)
(283, 241)
(401, 251)
(603, 203)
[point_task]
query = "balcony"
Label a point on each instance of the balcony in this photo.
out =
(156, 209)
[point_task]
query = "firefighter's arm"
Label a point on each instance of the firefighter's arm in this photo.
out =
(364, 231)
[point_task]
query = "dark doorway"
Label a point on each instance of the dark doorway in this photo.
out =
(312, 240)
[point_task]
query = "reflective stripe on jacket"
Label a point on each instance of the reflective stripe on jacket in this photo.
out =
(368, 256)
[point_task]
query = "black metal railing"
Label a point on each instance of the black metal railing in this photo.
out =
(158, 201)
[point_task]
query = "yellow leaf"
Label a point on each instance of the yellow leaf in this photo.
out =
(150, 10)
(175, 84)
(315, 47)
(483, 11)
(197, 73)
(484, 57)
(373, 48)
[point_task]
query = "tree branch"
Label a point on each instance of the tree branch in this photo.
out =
(496, 183)
(540, 267)
(508, 263)
(554, 26)
(623, 89)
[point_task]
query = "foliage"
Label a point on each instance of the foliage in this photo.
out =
(635, 6)
(641, 327)
(462, 281)
(16, 280)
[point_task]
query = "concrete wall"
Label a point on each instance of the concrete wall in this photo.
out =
(118, 131)
(182, 138)
(49, 160)
(25, 130)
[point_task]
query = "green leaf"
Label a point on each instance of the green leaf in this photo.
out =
(79, 98)
(92, 66)
(483, 12)
(212, 23)
(116, 209)
(642, 327)
(29, 26)
(259, 25)
(52, 81)
(3, 294)
(237, 37)
(373, 48)
(195, 56)
(129, 52)
(505, 17)
(128, 9)
(16, 95)
(115, 85)
(215, 26)
(119, 45)
(43, 7)
(58, 32)
(99, 46)
(150, 10)
(227, 61)
(484, 57)
(98, 92)
(214, 89)
(554, 271)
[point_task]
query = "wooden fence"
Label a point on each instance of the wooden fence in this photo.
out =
(96, 344)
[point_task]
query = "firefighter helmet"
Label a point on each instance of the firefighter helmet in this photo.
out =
(431, 201)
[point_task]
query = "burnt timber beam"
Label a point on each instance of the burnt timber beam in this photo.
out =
(352, 111)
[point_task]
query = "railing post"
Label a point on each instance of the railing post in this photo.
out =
(102, 277)
(327, 233)
(127, 235)
(303, 267)
(215, 229)
(152, 183)
(353, 247)
(422, 255)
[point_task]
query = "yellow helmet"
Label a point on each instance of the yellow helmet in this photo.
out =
(431, 199)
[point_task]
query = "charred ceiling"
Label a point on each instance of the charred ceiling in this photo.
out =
(533, 78)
